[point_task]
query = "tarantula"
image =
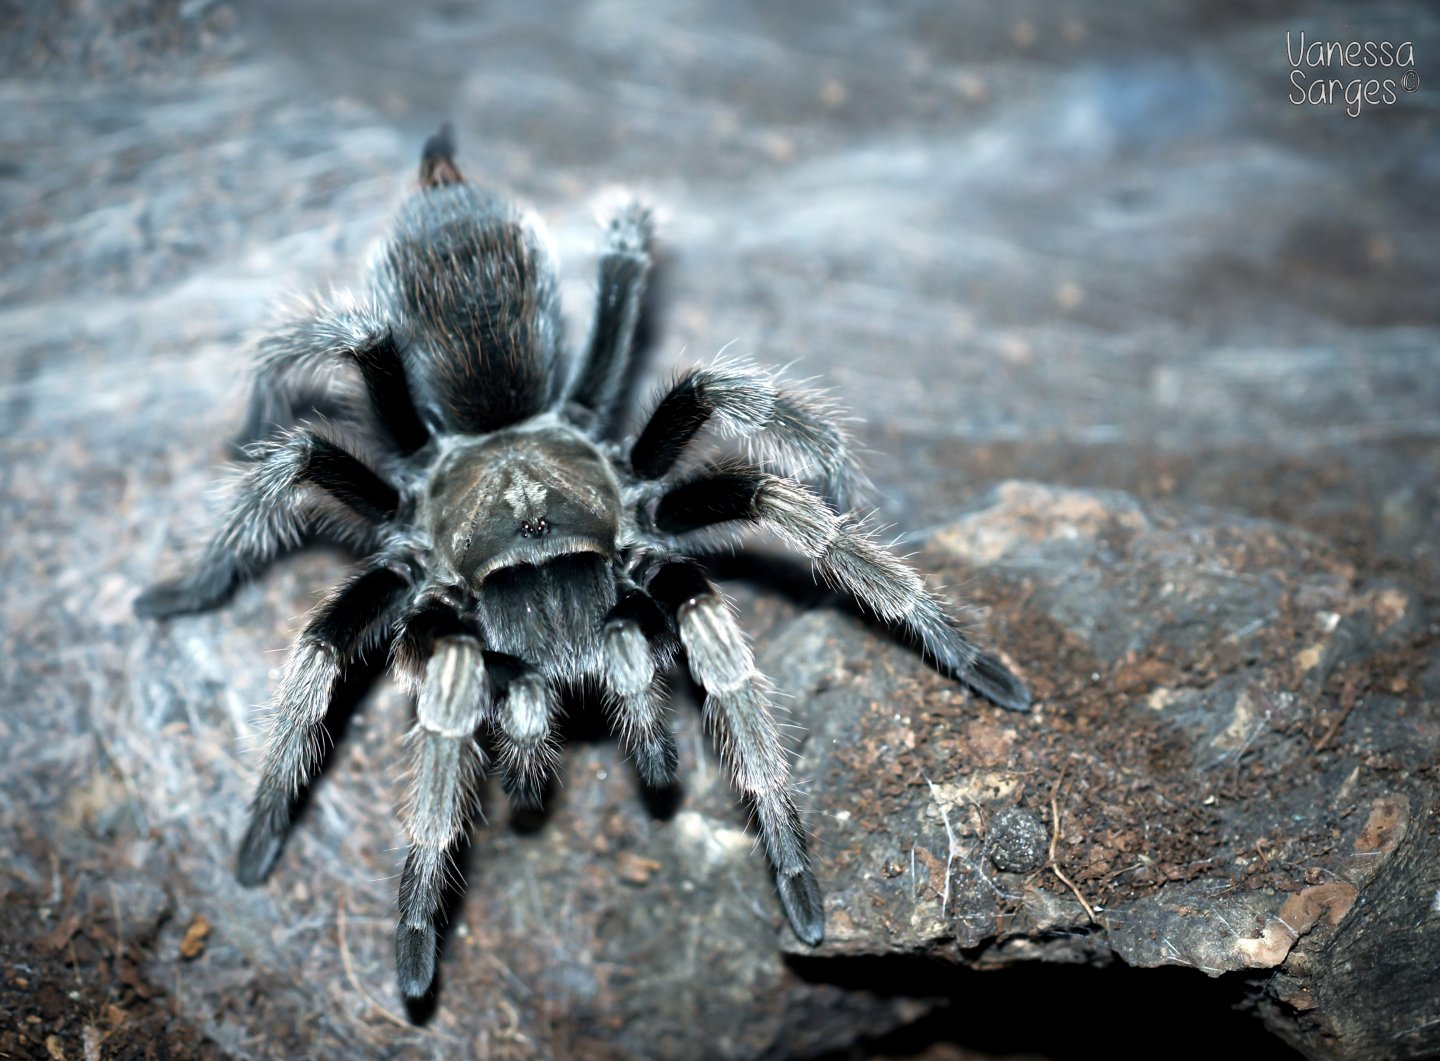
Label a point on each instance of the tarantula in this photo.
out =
(514, 549)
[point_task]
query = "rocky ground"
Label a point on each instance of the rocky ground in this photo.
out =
(1146, 360)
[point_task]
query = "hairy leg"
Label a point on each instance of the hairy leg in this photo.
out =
(847, 557)
(293, 373)
(795, 429)
(431, 615)
(354, 619)
(525, 738)
(623, 270)
(737, 707)
(271, 512)
(631, 674)
(446, 766)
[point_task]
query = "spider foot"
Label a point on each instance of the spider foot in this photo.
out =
(415, 959)
(631, 231)
(269, 822)
(993, 680)
(524, 789)
(656, 761)
(804, 905)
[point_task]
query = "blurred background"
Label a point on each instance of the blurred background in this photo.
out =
(1095, 246)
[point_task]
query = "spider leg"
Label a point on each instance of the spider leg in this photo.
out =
(446, 764)
(795, 428)
(623, 270)
(847, 557)
(633, 636)
(340, 630)
(737, 707)
(430, 615)
(271, 512)
(525, 738)
(290, 375)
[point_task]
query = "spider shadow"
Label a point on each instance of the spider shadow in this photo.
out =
(796, 583)
(774, 572)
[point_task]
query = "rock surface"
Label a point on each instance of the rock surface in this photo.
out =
(1223, 758)
(1146, 358)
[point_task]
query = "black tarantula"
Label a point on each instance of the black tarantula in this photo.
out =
(513, 549)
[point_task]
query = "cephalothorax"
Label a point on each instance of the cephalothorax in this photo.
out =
(513, 549)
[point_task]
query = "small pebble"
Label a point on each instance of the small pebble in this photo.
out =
(1018, 842)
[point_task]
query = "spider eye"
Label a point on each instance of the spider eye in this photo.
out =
(534, 528)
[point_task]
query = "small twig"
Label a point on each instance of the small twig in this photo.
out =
(57, 889)
(1333, 731)
(75, 962)
(1349, 700)
(1054, 839)
(1115, 875)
